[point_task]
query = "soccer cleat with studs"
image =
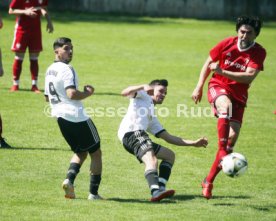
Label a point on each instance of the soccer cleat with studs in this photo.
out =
(159, 195)
(94, 197)
(68, 189)
(207, 189)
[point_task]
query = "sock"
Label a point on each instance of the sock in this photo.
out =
(73, 171)
(95, 181)
(34, 68)
(0, 127)
(223, 128)
(152, 178)
(164, 173)
(17, 67)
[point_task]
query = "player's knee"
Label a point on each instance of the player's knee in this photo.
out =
(97, 154)
(171, 157)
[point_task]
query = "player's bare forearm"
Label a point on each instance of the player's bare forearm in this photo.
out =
(201, 142)
(204, 73)
(75, 94)
(242, 77)
(31, 12)
(132, 90)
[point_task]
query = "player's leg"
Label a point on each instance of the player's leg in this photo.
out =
(223, 107)
(34, 69)
(3, 143)
(17, 69)
(168, 157)
(233, 135)
(19, 47)
(35, 47)
(73, 170)
(151, 174)
(95, 174)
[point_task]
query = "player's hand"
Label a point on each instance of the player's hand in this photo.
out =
(214, 66)
(89, 89)
(50, 27)
(149, 89)
(201, 142)
(31, 12)
(197, 95)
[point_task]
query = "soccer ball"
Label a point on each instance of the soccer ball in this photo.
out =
(234, 164)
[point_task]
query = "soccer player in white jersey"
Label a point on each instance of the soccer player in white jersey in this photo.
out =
(61, 90)
(133, 133)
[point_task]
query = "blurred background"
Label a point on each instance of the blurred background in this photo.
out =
(199, 9)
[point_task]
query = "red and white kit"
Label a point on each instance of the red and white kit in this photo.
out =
(27, 29)
(232, 58)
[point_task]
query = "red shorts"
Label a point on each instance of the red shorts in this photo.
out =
(237, 110)
(24, 40)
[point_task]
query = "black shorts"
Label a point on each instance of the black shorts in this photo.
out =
(138, 143)
(81, 136)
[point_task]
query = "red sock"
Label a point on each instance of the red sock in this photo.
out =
(16, 68)
(34, 68)
(223, 128)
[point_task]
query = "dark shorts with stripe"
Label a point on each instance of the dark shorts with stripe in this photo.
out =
(138, 143)
(81, 136)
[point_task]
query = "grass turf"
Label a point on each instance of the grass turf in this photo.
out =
(111, 53)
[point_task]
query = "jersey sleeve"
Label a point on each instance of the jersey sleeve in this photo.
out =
(257, 61)
(69, 77)
(155, 127)
(216, 52)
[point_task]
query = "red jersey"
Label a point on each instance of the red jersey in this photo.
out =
(232, 58)
(26, 23)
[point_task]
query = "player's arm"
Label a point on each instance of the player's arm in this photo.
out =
(242, 77)
(132, 90)
(204, 73)
(44, 12)
(201, 142)
(31, 12)
(75, 94)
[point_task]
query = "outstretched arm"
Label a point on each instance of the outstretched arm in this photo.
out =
(201, 142)
(205, 71)
(132, 90)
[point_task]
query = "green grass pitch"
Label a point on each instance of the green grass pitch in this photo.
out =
(111, 53)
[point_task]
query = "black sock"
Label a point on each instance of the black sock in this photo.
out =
(164, 172)
(152, 178)
(73, 171)
(95, 181)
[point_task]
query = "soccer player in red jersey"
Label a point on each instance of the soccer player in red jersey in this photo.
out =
(236, 62)
(28, 35)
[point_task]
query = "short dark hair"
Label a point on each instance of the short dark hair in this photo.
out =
(61, 41)
(162, 82)
(254, 22)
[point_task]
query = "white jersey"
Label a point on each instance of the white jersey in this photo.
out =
(59, 77)
(140, 116)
